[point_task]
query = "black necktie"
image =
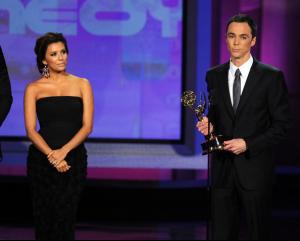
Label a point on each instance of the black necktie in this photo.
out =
(237, 90)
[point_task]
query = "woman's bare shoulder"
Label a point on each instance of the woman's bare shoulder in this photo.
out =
(35, 84)
(79, 80)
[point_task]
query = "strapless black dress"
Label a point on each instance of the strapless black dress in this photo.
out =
(56, 195)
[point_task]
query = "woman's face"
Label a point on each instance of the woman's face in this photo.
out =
(56, 57)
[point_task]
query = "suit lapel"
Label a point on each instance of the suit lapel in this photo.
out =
(252, 82)
(224, 87)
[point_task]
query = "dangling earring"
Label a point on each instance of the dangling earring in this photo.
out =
(46, 72)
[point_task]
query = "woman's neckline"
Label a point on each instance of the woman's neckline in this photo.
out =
(59, 96)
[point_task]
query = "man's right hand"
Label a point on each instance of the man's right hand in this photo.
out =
(203, 126)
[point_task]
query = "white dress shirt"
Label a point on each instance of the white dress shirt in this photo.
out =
(245, 70)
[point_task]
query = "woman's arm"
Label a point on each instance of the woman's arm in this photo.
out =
(30, 120)
(87, 127)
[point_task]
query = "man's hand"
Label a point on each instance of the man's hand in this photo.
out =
(236, 146)
(203, 126)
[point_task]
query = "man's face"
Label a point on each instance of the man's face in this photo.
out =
(239, 40)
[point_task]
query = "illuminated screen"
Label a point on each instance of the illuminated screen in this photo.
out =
(130, 50)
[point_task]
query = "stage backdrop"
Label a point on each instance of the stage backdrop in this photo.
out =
(130, 50)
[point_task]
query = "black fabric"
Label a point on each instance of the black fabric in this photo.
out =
(56, 195)
(232, 202)
(5, 93)
(5, 90)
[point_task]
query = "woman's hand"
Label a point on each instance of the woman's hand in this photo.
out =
(63, 167)
(55, 157)
(51, 158)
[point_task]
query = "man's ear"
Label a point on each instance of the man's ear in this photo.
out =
(253, 42)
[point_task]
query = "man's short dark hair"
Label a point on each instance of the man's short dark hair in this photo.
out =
(244, 18)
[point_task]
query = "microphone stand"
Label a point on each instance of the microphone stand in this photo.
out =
(209, 181)
(189, 99)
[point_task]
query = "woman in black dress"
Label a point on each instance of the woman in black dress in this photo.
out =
(57, 160)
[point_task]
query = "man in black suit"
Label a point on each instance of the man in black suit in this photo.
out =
(5, 92)
(251, 110)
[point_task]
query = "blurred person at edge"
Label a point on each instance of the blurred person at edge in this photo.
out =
(6, 98)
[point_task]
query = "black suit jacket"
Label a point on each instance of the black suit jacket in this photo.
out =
(5, 92)
(262, 119)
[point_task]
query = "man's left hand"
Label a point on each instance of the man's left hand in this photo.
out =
(236, 146)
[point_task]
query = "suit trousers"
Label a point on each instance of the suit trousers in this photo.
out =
(230, 200)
